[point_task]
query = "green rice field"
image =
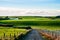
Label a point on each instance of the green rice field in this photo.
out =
(34, 22)
(6, 31)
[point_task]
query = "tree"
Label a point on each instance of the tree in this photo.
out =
(58, 16)
(6, 18)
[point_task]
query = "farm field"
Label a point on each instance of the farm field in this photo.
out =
(8, 33)
(51, 28)
(33, 22)
(11, 31)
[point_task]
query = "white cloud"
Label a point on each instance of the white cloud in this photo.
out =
(5, 11)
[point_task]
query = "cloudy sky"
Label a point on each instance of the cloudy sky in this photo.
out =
(29, 7)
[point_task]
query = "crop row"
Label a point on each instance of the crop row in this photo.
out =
(10, 33)
(34, 23)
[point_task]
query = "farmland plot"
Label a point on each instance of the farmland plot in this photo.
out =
(10, 33)
(50, 35)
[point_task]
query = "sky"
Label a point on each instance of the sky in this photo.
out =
(29, 7)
